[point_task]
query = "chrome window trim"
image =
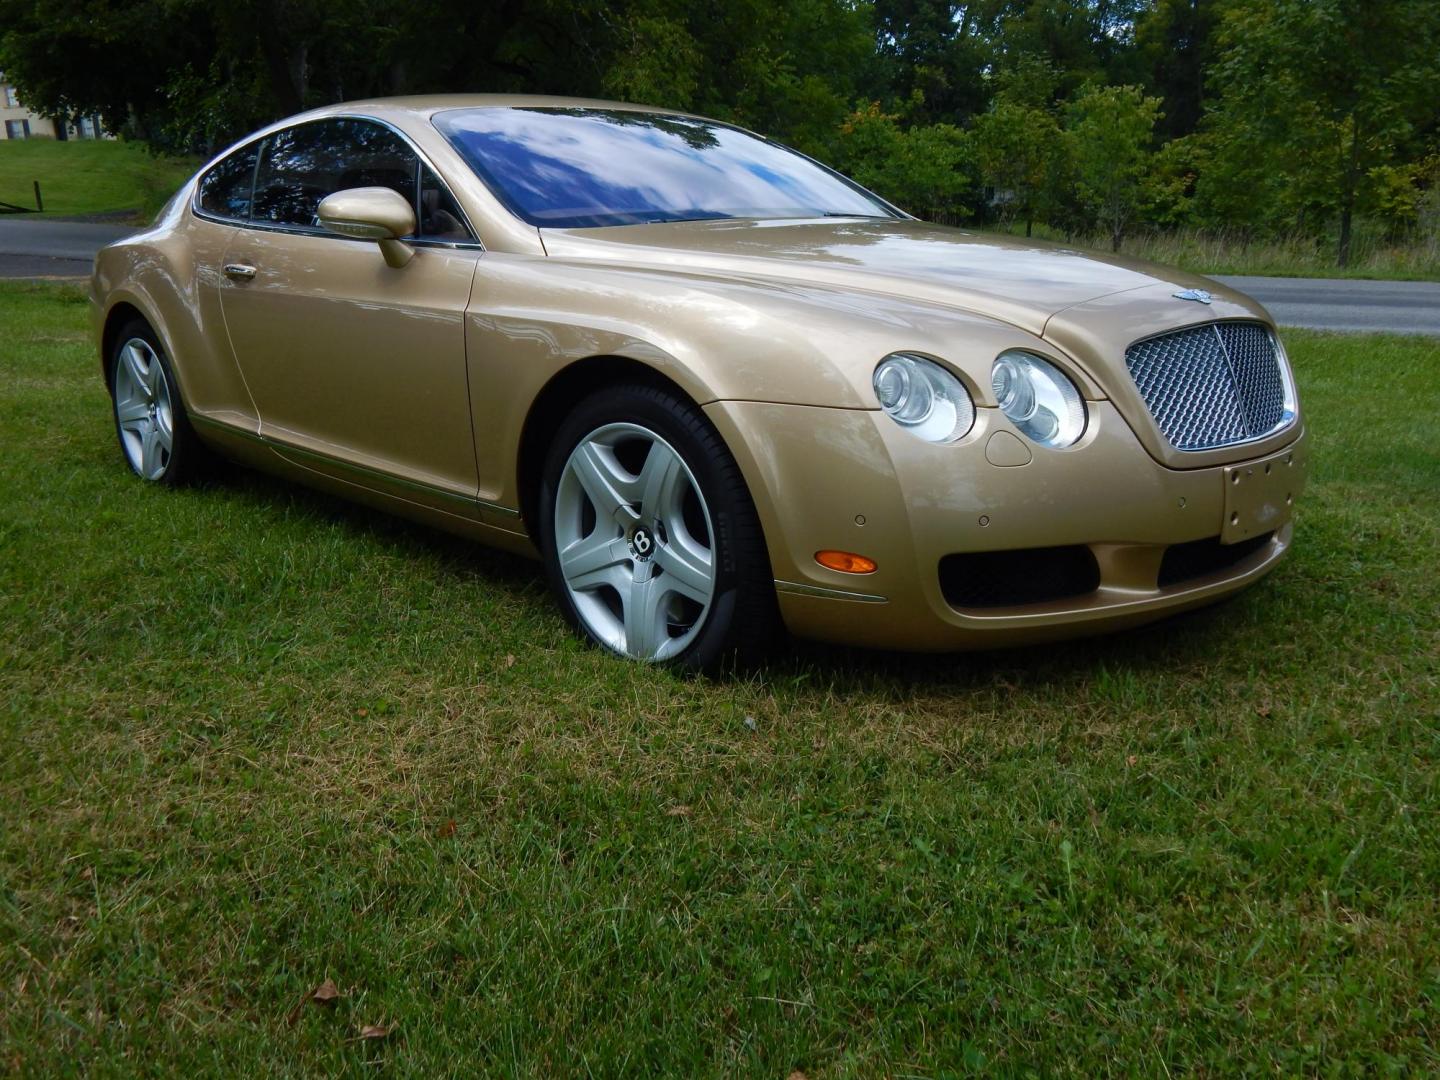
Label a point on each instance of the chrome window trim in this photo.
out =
(1291, 411)
(475, 244)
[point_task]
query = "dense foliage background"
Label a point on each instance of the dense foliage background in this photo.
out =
(1255, 118)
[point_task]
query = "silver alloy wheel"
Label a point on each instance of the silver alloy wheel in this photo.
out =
(635, 542)
(143, 411)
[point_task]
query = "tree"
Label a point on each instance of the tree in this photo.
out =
(1084, 40)
(939, 49)
(1176, 43)
(1328, 91)
(191, 74)
(1016, 146)
(928, 170)
(1109, 130)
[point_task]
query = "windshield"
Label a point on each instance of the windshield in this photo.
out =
(577, 168)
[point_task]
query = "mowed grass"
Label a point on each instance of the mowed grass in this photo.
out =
(90, 176)
(253, 739)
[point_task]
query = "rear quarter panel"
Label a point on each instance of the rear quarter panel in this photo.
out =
(170, 274)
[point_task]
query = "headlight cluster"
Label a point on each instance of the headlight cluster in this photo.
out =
(924, 398)
(930, 402)
(1038, 399)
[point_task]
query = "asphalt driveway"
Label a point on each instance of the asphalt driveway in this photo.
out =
(31, 247)
(40, 247)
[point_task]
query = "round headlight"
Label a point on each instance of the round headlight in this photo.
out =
(1038, 399)
(923, 398)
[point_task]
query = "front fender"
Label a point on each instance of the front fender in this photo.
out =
(717, 338)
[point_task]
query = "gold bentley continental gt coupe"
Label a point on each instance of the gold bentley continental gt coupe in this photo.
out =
(718, 388)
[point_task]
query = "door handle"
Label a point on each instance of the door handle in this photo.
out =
(239, 271)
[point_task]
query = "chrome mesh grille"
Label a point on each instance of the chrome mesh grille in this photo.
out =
(1209, 386)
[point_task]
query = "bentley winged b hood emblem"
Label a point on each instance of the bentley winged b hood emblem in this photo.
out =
(1198, 295)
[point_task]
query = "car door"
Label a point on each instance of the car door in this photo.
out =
(357, 368)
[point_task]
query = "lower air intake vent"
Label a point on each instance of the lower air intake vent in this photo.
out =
(1201, 558)
(991, 579)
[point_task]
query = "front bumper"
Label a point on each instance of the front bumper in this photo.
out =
(854, 481)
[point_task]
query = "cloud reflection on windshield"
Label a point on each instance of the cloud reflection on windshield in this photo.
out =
(574, 168)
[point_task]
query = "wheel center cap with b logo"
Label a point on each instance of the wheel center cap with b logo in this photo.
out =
(642, 543)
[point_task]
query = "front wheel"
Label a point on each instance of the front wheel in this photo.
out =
(650, 538)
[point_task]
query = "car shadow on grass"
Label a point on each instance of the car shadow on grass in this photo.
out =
(1195, 638)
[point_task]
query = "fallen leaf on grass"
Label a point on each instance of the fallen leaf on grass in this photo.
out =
(678, 811)
(1131, 760)
(325, 994)
(444, 832)
(509, 660)
(375, 1031)
(797, 1075)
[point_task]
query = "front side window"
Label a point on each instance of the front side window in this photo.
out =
(281, 180)
(440, 215)
(300, 166)
(578, 168)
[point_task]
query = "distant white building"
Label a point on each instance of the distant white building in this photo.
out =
(20, 123)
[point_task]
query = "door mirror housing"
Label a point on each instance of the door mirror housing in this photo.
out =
(372, 213)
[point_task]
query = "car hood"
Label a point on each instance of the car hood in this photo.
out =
(1022, 282)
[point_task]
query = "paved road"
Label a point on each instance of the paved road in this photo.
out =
(31, 247)
(41, 248)
(1401, 307)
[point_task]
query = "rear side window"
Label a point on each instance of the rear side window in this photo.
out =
(225, 189)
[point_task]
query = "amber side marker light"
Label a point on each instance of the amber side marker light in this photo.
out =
(846, 562)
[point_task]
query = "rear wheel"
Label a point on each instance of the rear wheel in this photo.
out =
(650, 538)
(150, 422)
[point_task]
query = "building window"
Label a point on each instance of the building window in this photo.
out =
(17, 129)
(11, 101)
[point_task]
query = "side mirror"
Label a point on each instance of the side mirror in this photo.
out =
(372, 213)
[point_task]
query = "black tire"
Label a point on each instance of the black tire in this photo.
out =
(187, 459)
(742, 626)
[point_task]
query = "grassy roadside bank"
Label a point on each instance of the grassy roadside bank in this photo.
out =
(252, 739)
(89, 177)
(1373, 258)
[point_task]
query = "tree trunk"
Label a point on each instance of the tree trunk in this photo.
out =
(1347, 195)
(1029, 226)
(279, 64)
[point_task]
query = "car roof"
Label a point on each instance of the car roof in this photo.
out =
(427, 105)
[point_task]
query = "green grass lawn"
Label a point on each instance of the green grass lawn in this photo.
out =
(252, 739)
(90, 176)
